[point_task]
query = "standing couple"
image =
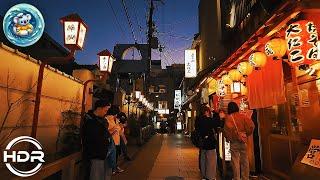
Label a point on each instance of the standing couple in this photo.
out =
(237, 128)
(101, 136)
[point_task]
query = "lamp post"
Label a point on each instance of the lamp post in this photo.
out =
(74, 36)
(105, 65)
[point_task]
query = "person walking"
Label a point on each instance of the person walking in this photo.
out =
(238, 128)
(207, 128)
(123, 122)
(95, 141)
(115, 130)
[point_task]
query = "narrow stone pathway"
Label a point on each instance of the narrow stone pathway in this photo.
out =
(178, 159)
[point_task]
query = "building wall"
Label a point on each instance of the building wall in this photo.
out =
(210, 33)
(18, 80)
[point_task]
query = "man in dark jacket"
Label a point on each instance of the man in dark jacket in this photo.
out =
(95, 140)
(207, 126)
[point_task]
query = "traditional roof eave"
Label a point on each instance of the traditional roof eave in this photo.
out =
(280, 17)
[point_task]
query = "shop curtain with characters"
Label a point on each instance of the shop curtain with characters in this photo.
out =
(266, 85)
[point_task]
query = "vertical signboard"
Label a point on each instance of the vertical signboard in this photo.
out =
(190, 63)
(177, 99)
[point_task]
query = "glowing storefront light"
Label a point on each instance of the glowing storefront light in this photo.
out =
(276, 48)
(258, 59)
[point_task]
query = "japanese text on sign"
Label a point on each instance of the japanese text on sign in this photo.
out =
(190, 63)
(312, 157)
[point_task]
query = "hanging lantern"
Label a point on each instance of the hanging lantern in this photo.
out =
(235, 75)
(302, 37)
(276, 48)
(222, 89)
(258, 60)
(245, 68)
(213, 86)
(226, 80)
(236, 87)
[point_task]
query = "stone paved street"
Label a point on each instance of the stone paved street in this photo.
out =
(163, 157)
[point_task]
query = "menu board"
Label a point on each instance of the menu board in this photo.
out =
(312, 157)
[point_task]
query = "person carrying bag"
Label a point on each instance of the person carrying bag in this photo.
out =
(237, 129)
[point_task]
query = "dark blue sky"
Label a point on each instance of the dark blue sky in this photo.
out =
(176, 23)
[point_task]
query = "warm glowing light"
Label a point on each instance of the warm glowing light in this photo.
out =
(245, 68)
(226, 79)
(235, 75)
(276, 48)
(258, 59)
(236, 87)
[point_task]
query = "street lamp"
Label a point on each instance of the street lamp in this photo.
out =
(74, 31)
(105, 61)
(105, 65)
(74, 36)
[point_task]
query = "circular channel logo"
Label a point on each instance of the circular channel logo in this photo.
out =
(23, 156)
(23, 25)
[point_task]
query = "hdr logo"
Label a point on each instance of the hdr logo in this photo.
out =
(23, 156)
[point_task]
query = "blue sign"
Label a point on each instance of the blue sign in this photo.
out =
(23, 25)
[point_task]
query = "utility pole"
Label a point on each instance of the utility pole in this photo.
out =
(150, 34)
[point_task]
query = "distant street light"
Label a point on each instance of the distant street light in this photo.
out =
(74, 36)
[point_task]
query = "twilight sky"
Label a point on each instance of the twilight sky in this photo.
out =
(176, 21)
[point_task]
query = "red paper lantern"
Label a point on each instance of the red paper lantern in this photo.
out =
(302, 37)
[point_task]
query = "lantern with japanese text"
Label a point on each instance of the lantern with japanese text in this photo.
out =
(245, 68)
(105, 61)
(235, 75)
(222, 89)
(75, 31)
(302, 37)
(276, 48)
(258, 59)
(226, 80)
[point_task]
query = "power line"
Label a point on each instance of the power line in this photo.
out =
(128, 19)
(116, 19)
(136, 17)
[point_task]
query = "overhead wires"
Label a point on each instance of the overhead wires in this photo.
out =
(116, 20)
(129, 20)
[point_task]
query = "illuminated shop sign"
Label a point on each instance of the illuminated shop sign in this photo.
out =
(177, 99)
(190, 63)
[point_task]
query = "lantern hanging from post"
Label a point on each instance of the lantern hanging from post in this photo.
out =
(276, 48)
(258, 60)
(74, 31)
(226, 79)
(105, 61)
(235, 75)
(302, 37)
(245, 68)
